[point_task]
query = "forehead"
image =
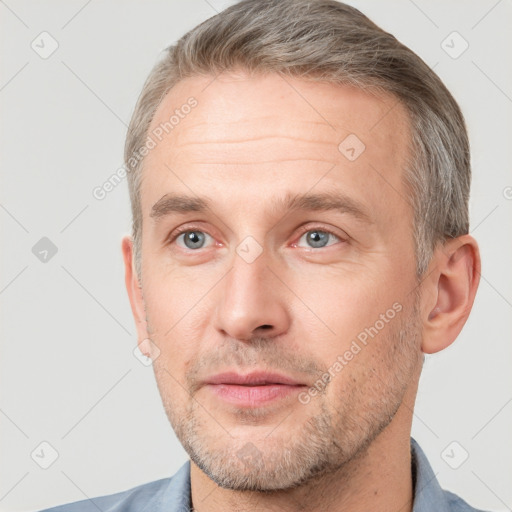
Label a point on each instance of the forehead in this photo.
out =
(267, 129)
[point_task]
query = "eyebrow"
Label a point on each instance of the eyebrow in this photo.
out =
(171, 203)
(326, 201)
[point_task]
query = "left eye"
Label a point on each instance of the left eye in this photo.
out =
(316, 238)
(193, 239)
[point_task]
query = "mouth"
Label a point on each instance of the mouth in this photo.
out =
(253, 389)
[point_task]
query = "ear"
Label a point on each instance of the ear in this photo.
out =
(134, 290)
(449, 291)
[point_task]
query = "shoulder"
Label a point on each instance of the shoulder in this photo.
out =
(168, 494)
(457, 504)
(125, 501)
(428, 494)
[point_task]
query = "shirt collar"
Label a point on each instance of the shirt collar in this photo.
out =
(428, 494)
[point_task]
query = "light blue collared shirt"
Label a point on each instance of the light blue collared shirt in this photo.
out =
(173, 494)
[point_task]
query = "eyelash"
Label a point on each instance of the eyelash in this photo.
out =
(307, 229)
(185, 229)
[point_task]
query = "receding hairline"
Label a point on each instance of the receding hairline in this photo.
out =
(391, 103)
(240, 73)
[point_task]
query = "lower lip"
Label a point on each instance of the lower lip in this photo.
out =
(252, 396)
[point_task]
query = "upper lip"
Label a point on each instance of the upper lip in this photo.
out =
(256, 378)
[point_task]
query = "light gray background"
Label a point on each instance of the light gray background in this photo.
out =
(68, 375)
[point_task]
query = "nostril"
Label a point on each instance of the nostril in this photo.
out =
(266, 326)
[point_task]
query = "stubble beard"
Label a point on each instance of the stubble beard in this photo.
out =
(333, 438)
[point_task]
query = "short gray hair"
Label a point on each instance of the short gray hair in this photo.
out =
(328, 41)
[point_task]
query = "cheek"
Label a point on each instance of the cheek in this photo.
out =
(176, 318)
(172, 295)
(346, 317)
(342, 303)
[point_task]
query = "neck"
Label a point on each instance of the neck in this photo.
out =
(378, 479)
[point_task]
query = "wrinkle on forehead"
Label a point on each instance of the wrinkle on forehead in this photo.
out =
(254, 129)
(265, 105)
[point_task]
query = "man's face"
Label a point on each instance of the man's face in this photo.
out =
(284, 310)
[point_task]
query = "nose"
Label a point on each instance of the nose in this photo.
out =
(252, 301)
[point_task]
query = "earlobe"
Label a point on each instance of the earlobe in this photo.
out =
(134, 289)
(453, 282)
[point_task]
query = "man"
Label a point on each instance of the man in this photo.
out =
(299, 184)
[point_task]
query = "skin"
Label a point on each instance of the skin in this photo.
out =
(295, 308)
